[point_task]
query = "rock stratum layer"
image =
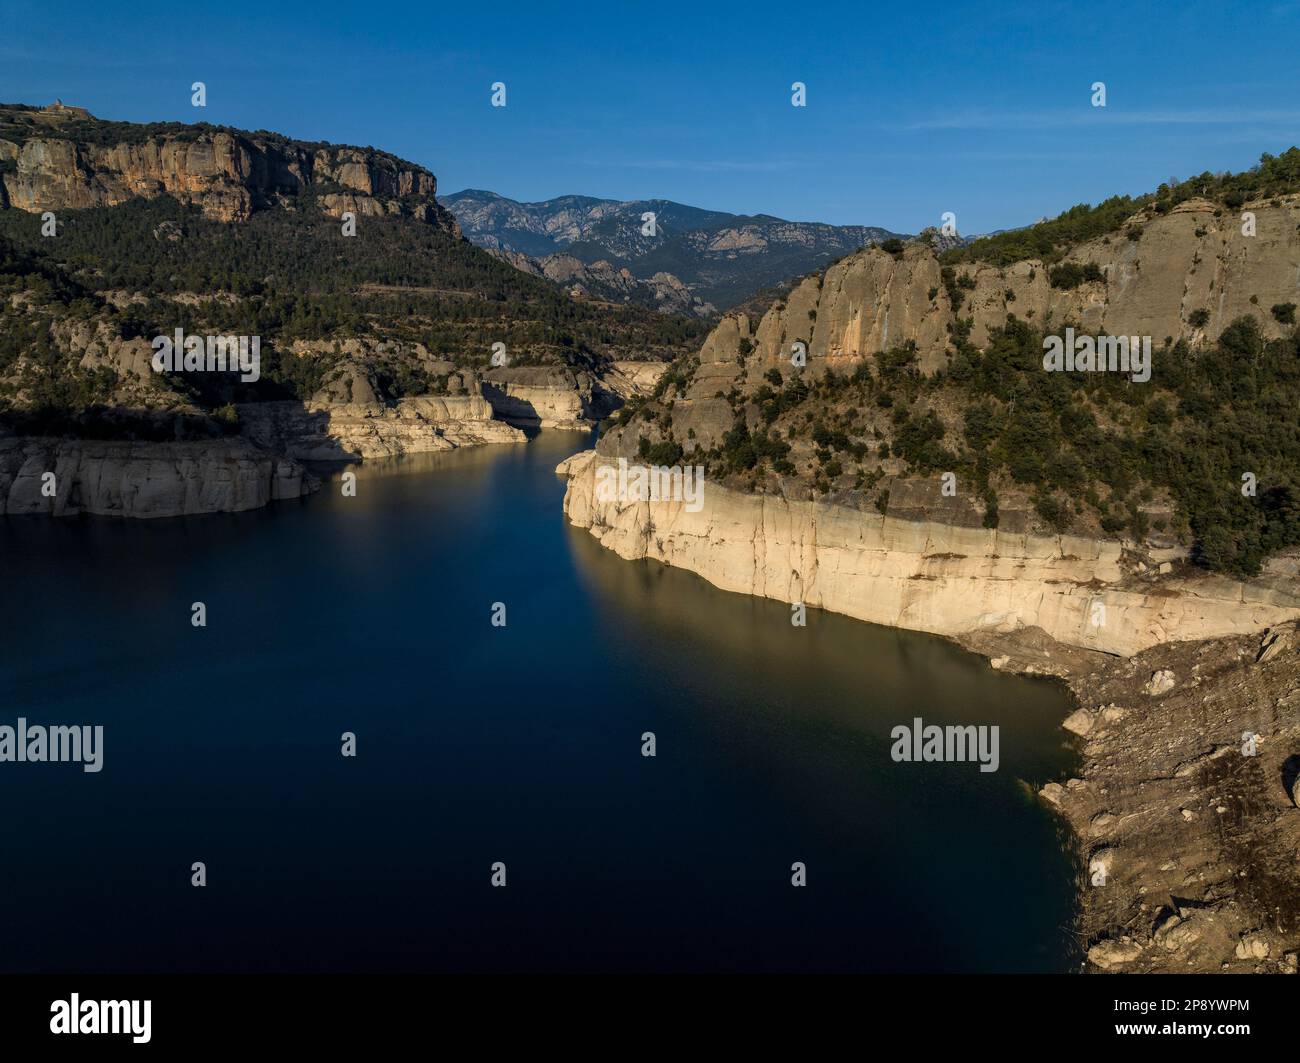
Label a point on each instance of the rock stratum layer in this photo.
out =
(549, 397)
(348, 431)
(127, 479)
(920, 575)
(227, 174)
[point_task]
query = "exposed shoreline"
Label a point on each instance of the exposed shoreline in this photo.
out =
(265, 461)
(116, 478)
(1193, 844)
(927, 575)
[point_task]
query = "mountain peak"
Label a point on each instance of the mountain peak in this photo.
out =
(722, 258)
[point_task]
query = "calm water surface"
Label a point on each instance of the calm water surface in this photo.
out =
(477, 744)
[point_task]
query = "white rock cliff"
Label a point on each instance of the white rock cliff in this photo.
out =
(918, 575)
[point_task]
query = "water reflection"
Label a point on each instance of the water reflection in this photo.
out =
(370, 614)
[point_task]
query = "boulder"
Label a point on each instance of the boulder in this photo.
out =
(1107, 954)
(1276, 641)
(1079, 722)
(1161, 682)
(1252, 947)
(1053, 793)
(1099, 867)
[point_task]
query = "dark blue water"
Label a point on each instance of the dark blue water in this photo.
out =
(478, 744)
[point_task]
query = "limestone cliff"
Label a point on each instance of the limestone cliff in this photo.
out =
(128, 479)
(548, 396)
(631, 379)
(921, 575)
(54, 165)
(345, 431)
(363, 368)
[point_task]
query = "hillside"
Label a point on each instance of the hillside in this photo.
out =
(721, 258)
(602, 280)
(919, 366)
(221, 231)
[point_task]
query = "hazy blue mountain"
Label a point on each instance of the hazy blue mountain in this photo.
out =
(722, 258)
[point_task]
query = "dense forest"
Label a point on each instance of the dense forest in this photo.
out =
(297, 277)
(286, 275)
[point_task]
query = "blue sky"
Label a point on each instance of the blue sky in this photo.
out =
(913, 109)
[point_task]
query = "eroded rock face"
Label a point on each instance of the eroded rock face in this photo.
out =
(227, 175)
(631, 379)
(921, 575)
(100, 347)
(1182, 262)
(868, 302)
(127, 479)
(548, 397)
(1189, 792)
(371, 429)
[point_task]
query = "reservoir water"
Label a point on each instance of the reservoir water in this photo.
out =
(477, 744)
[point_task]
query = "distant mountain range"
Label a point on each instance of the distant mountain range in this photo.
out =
(720, 258)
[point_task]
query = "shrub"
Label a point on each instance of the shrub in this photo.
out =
(990, 508)
(1052, 511)
(1070, 275)
(665, 452)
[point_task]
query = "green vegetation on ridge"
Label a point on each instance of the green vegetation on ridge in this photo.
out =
(1049, 240)
(287, 275)
(1095, 452)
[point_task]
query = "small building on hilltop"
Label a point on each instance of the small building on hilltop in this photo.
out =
(58, 107)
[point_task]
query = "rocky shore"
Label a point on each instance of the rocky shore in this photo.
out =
(1185, 830)
(264, 462)
(1184, 816)
(63, 478)
(927, 575)
(360, 430)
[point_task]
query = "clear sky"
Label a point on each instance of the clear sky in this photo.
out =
(913, 109)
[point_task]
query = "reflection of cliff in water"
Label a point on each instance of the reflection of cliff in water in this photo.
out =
(837, 670)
